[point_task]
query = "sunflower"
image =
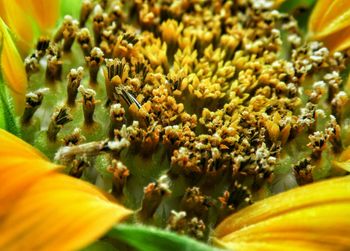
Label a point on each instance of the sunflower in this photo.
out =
(203, 124)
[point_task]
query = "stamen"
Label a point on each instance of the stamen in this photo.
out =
(85, 11)
(31, 64)
(333, 132)
(76, 138)
(182, 224)
(120, 174)
(94, 62)
(74, 78)
(232, 200)
(303, 171)
(126, 46)
(117, 14)
(77, 167)
(317, 144)
(117, 118)
(338, 103)
(98, 23)
(33, 102)
(42, 46)
(89, 103)
(195, 203)
(67, 32)
(153, 194)
(54, 68)
(115, 75)
(58, 119)
(85, 41)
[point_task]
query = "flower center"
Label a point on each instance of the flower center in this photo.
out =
(185, 110)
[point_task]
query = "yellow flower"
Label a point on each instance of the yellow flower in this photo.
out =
(42, 209)
(312, 217)
(330, 23)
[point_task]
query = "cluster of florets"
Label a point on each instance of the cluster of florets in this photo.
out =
(198, 102)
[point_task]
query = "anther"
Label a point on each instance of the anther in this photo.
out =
(58, 119)
(117, 118)
(120, 174)
(85, 11)
(170, 32)
(338, 103)
(77, 167)
(103, 3)
(333, 132)
(67, 32)
(180, 223)
(74, 78)
(54, 68)
(33, 102)
(318, 143)
(303, 171)
(98, 24)
(89, 103)
(42, 46)
(94, 62)
(74, 138)
(85, 41)
(31, 64)
(154, 192)
(125, 46)
(195, 203)
(115, 74)
(117, 13)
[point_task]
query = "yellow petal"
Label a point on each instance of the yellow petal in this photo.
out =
(9, 142)
(20, 23)
(317, 14)
(271, 246)
(329, 22)
(41, 209)
(15, 154)
(12, 68)
(338, 41)
(45, 12)
(312, 217)
(61, 212)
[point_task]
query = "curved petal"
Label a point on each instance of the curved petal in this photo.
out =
(329, 17)
(41, 208)
(312, 217)
(317, 14)
(339, 40)
(45, 12)
(17, 18)
(329, 22)
(12, 67)
(15, 155)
